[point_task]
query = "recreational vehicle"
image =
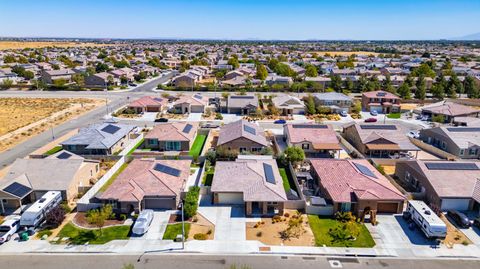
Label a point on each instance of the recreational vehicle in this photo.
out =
(35, 214)
(431, 225)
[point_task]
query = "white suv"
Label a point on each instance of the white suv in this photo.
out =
(8, 228)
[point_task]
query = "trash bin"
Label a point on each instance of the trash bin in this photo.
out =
(24, 236)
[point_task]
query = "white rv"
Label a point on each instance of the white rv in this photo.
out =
(431, 225)
(35, 214)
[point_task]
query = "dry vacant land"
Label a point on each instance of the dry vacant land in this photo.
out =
(344, 53)
(21, 118)
(6, 45)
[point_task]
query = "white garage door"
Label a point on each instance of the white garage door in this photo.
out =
(458, 204)
(376, 108)
(230, 198)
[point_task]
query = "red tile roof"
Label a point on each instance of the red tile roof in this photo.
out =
(322, 137)
(147, 101)
(173, 132)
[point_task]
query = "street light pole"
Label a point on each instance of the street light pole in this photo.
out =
(183, 226)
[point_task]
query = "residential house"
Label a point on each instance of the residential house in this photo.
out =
(316, 140)
(445, 185)
(241, 104)
(380, 101)
(278, 80)
(148, 184)
(379, 140)
(100, 139)
(288, 105)
(177, 136)
(356, 186)
(147, 104)
(28, 179)
(190, 104)
(337, 102)
(49, 76)
(100, 80)
(252, 181)
(463, 142)
(242, 136)
(449, 111)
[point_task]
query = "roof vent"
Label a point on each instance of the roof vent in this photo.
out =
(427, 212)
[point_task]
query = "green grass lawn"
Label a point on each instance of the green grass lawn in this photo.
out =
(197, 146)
(136, 146)
(53, 150)
(175, 229)
(394, 116)
(321, 225)
(112, 179)
(80, 236)
(286, 182)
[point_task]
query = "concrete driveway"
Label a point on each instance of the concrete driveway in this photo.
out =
(194, 117)
(158, 226)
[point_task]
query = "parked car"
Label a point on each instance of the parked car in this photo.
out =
(211, 125)
(476, 222)
(142, 224)
(132, 84)
(161, 120)
(371, 120)
(281, 121)
(413, 134)
(9, 228)
(459, 218)
(373, 113)
(343, 113)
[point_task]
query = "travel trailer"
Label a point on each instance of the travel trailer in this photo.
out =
(431, 225)
(35, 214)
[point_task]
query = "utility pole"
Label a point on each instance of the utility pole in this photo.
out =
(183, 227)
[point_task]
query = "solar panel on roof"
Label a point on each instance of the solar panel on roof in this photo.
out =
(381, 93)
(309, 126)
(158, 99)
(452, 166)
(111, 129)
(463, 129)
(197, 96)
(187, 128)
(64, 155)
(364, 170)
(241, 97)
(268, 170)
(378, 127)
(167, 170)
(17, 189)
(249, 129)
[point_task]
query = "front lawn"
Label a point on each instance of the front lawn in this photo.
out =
(112, 179)
(80, 236)
(322, 225)
(394, 116)
(53, 150)
(197, 146)
(175, 229)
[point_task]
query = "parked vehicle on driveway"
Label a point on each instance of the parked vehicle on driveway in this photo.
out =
(343, 113)
(430, 224)
(142, 224)
(371, 120)
(8, 228)
(374, 113)
(35, 214)
(281, 121)
(413, 134)
(161, 120)
(460, 219)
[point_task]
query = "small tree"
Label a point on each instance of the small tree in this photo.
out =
(294, 154)
(55, 216)
(190, 204)
(98, 217)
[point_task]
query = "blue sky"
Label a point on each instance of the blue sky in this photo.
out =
(228, 19)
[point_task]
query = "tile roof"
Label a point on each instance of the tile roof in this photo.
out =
(241, 101)
(287, 101)
(189, 99)
(236, 130)
(374, 94)
(449, 109)
(345, 183)
(140, 179)
(332, 96)
(248, 177)
(173, 131)
(148, 101)
(385, 137)
(324, 137)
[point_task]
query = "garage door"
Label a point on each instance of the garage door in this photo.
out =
(376, 108)
(230, 198)
(159, 203)
(387, 207)
(458, 204)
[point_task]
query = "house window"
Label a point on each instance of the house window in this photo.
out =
(243, 149)
(152, 141)
(345, 207)
(172, 145)
(444, 145)
(462, 151)
(473, 151)
(272, 203)
(305, 146)
(256, 149)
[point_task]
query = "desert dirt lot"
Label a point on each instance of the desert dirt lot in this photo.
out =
(22, 118)
(5, 45)
(344, 53)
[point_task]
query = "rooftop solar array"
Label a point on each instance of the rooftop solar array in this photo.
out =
(111, 129)
(309, 126)
(187, 128)
(249, 129)
(268, 170)
(197, 96)
(381, 93)
(17, 189)
(364, 170)
(463, 129)
(451, 166)
(64, 155)
(241, 97)
(378, 127)
(167, 170)
(158, 99)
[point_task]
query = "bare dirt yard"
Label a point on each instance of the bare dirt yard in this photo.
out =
(201, 226)
(454, 236)
(22, 118)
(6, 45)
(269, 231)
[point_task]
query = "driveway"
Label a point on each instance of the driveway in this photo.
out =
(227, 118)
(194, 117)
(148, 116)
(157, 228)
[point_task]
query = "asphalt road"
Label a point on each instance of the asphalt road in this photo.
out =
(116, 100)
(198, 261)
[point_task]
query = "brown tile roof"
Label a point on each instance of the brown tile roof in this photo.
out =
(321, 138)
(384, 138)
(383, 94)
(173, 131)
(148, 101)
(140, 179)
(345, 183)
(248, 177)
(189, 99)
(237, 130)
(450, 109)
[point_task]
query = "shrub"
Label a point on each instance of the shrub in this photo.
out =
(211, 156)
(259, 234)
(438, 118)
(123, 217)
(190, 203)
(209, 232)
(55, 216)
(66, 207)
(46, 232)
(345, 217)
(218, 116)
(200, 236)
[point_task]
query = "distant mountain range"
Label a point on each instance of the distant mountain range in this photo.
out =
(475, 36)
